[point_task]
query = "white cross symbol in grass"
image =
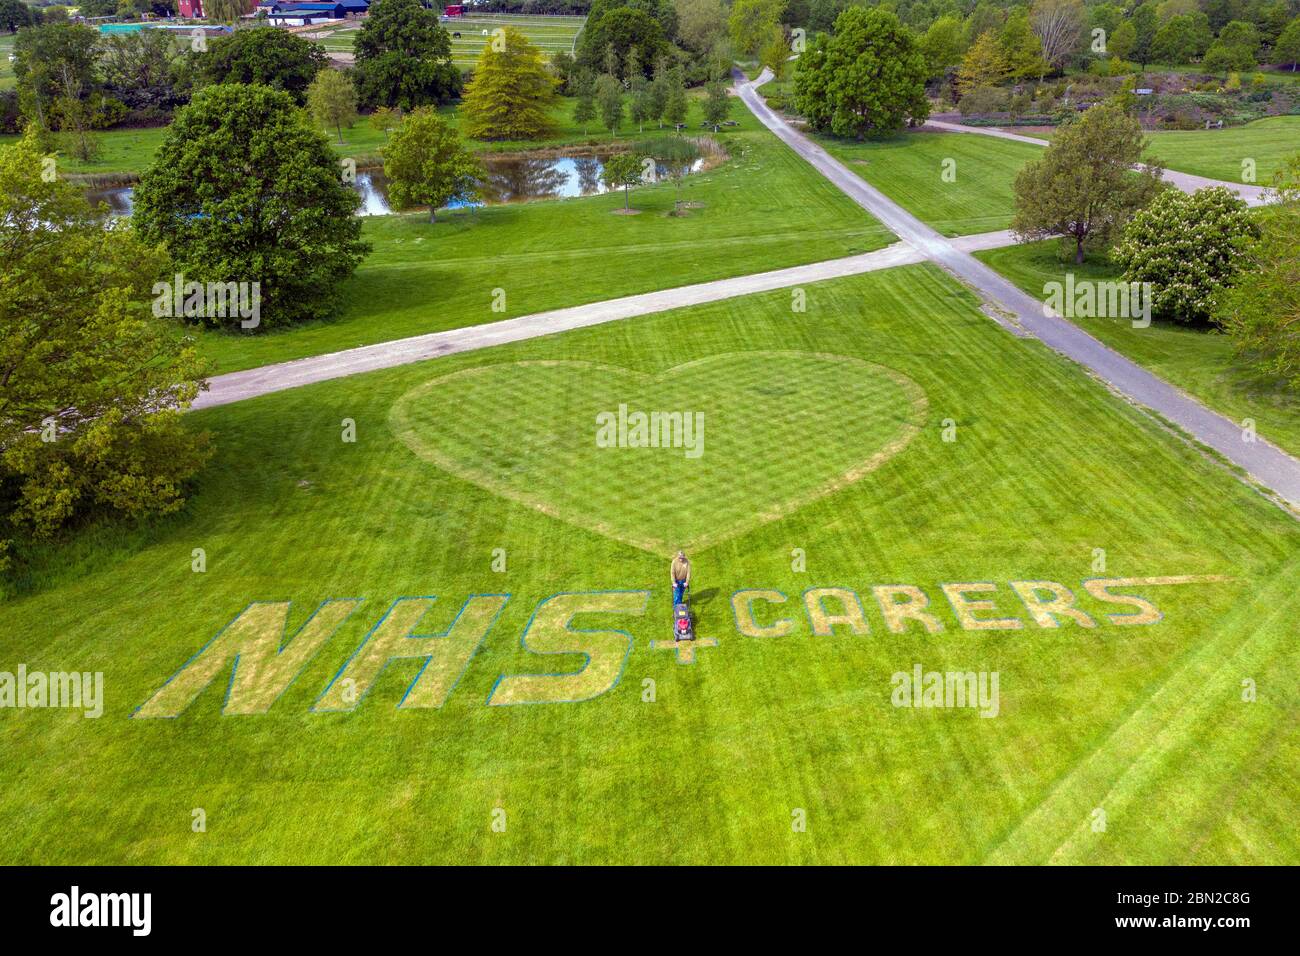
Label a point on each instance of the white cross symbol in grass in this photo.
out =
(685, 649)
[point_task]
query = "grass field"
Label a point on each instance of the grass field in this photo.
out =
(553, 34)
(713, 760)
(7, 80)
(1197, 360)
(763, 209)
(1220, 154)
(909, 170)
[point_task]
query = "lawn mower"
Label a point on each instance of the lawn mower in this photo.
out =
(683, 626)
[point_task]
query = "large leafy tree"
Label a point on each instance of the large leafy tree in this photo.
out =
(54, 64)
(511, 93)
(1059, 27)
(983, 65)
(15, 14)
(1021, 48)
(943, 44)
(1287, 48)
(1084, 186)
(91, 384)
(1191, 248)
(427, 165)
(751, 23)
(869, 78)
(1262, 311)
(243, 189)
(332, 101)
(403, 57)
(265, 55)
(621, 30)
(144, 70)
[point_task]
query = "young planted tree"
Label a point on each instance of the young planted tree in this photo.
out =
(511, 93)
(332, 101)
(717, 104)
(584, 110)
(92, 386)
(427, 165)
(774, 53)
(622, 170)
(242, 190)
(638, 100)
(385, 119)
(1084, 186)
(675, 103)
(609, 101)
(659, 91)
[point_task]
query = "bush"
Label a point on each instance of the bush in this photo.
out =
(1189, 247)
(983, 100)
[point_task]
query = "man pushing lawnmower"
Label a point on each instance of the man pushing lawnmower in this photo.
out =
(680, 575)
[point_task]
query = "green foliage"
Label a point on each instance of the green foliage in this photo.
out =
(332, 101)
(1084, 186)
(1191, 248)
(717, 105)
(869, 78)
(984, 65)
(91, 385)
(15, 14)
(621, 30)
(1262, 311)
(427, 164)
(242, 189)
(584, 110)
(1020, 47)
(751, 24)
(511, 92)
(266, 55)
(403, 57)
(1287, 48)
(622, 170)
(609, 101)
(54, 62)
(943, 45)
(675, 103)
(145, 70)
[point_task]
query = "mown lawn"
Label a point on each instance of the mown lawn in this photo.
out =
(711, 761)
(1196, 359)
(762, 209)
(1221, 153)
(909, 169)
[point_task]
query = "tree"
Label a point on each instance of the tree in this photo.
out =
(427, 164)
(511, 93)
(658, 91)
(385, 119)
(982, 19)
(1058, 25)
(717, 104)
(242, 189)
(1228, 58)
(54, 63)
(701, 23)
(403, 57)
(751, 23)
(332, 101)
(1145, 22)
(775, 53)
(1191, 248)
(609, 101)
(1287, 48)
(675, 102)
(584, 111)
(265, 55)
(91, 384)
(983, 65)
(1084, 186)
(15, 14)
(868, 78)
(943, 45)
(622, 170)
(621, 30)
(143, 70)
(639, 101)
(1021, 49)
(1122, 41)
(1175, 41)
(1261, 313)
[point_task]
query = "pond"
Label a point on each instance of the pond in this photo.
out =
(509, 179)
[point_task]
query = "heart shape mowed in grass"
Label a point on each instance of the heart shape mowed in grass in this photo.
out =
(780, 430)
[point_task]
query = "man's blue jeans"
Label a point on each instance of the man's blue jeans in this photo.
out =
(679, 591)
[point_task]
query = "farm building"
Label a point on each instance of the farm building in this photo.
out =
(194, 8)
